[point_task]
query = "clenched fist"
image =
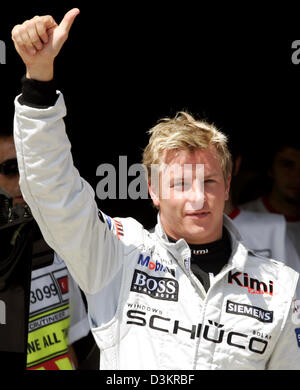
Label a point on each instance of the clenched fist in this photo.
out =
(39, 40)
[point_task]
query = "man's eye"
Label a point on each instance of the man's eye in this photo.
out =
(209, 181)
(182, 185)
(287, 164)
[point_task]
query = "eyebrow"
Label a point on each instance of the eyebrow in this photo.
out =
(212, 174)
(286, 159)
(179, 178)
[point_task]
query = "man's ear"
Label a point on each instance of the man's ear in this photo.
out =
(237, 165)
(227, 187)
(154, 194)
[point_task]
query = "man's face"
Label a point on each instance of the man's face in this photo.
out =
(193, 209)
(286, 175)
(10, 182)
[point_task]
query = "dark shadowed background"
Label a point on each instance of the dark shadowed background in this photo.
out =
(127, 65)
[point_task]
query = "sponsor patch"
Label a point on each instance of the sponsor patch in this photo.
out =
(249, 311)
(297, 330)
(113, 224)
(253, 285)
(119, 228)
(154, 265)
(155, 287)
(63, 284)
(108, 221)
(199, 252)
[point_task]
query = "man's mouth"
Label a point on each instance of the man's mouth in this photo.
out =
(19, 199)
(198, 214)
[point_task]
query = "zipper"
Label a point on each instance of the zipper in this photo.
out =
(226, 268)
(215, 280)
(185, 264)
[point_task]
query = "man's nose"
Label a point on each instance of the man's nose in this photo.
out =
(195, 197)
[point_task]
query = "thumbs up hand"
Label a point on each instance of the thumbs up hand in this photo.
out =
(39, 40)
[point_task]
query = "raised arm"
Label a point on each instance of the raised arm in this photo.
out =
(62, 203)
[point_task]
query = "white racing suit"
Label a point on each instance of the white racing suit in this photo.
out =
(147, 310)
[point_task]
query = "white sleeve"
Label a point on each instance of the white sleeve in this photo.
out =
(292, 259)
(79, 323)
(62, 203)
(286, 354)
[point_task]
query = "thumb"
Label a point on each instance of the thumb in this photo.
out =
(68, 20)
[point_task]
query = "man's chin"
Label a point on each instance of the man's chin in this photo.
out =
(196, 235)
(293, 199)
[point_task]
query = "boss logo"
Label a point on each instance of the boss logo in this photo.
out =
(155, 287)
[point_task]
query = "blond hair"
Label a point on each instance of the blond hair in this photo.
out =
(185, 132)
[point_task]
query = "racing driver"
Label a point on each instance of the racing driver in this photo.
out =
(189, 295)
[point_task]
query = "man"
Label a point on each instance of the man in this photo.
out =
(57, 315)
(154, 302)
(284, 197)
(263, 232)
